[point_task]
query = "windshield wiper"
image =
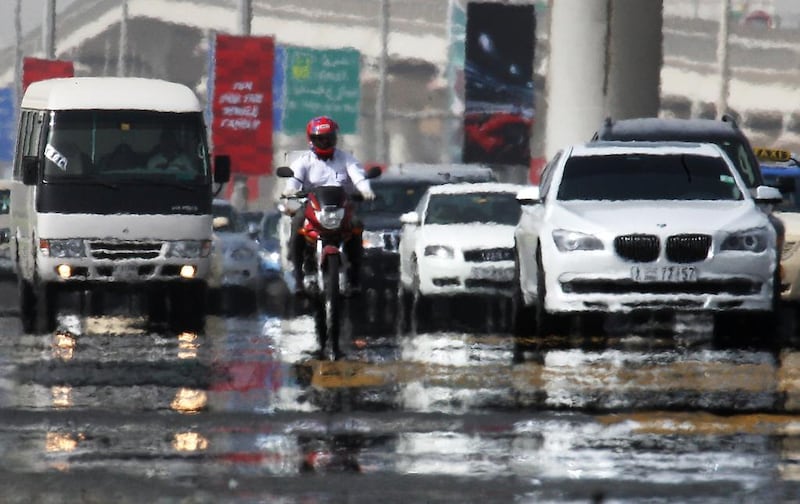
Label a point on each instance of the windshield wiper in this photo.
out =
(686, 168)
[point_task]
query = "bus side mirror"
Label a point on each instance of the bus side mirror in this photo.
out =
(222, 169)
(30, 170)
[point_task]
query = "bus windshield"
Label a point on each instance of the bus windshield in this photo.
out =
(123, 145)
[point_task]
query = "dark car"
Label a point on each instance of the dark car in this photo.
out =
(398, 191)
(725, 133)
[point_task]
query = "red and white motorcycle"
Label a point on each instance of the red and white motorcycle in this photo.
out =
(327, 228)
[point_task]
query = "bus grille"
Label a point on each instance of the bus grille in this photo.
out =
(124, 250)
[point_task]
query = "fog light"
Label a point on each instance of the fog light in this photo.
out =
(188, 271)
(64, 271)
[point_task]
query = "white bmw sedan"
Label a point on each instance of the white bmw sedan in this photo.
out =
(460, 240)
(624, 226)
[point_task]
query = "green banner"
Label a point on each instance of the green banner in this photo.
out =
(322, 82)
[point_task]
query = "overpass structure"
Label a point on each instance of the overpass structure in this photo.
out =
(594, 59)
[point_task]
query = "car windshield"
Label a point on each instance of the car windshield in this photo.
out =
(621, 177)
(394, 198)
(468, 208)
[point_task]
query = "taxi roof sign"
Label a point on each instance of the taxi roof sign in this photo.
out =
(767, 154)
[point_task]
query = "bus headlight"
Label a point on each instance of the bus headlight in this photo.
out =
(189, 249)
(69, 248)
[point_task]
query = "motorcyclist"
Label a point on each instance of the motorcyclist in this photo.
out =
(325, 165)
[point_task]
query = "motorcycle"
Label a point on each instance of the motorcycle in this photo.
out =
(327, 228)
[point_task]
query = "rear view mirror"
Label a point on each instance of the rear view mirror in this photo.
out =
(767, 194)
(374, 172)
(284, 172)
(529, 196)
(222, 169)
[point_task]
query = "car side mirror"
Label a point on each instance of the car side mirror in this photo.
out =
(767, 194)
(529, 196)
(30, 170)
(411, 218)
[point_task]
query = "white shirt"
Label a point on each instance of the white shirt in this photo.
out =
(343, 169)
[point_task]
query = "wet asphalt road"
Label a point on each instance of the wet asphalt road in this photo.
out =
(110, 409)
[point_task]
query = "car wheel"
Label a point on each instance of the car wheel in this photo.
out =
(403, 310)
(419, 304)
(523, 318)
(546, 323)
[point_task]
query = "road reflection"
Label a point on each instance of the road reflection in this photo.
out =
(244, 398)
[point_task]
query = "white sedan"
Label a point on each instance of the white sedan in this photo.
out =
(618, 227)
(459, 240)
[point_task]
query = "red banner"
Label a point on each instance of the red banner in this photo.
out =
(241, 109)
(36, 69)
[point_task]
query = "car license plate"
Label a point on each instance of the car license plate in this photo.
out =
(499, 274)
(664, 274)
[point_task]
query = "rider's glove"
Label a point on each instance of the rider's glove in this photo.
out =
(367, 194)
(289, 192)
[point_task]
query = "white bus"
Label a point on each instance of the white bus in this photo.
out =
(96, 204)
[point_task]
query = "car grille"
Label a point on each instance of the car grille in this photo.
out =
(686, 248)
(637, 247)
(124, 250)
(489, 255)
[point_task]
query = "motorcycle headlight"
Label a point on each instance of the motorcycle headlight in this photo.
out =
(440, 251)
(73, 247)
(751, 240)
(568, 241)
(189, 249)
(330, 218)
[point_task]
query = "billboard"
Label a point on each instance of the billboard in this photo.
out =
(7, 125)
(36, 69)
(240, 91)
(321, 82)
(498, 75)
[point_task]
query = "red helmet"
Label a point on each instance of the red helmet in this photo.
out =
(321, 132)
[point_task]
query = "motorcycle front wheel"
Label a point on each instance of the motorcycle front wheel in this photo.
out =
(330, 306)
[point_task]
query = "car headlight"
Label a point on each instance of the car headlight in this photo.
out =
(440, 251)
(189, 249)
(242, 254)
(269, 256)
(330, 218)
(568, 241)
(73, 247)
(371, 239)
(751, 240)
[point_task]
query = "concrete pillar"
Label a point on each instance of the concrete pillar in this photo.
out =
(576, 72)
(605, 60)
(635, 58)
